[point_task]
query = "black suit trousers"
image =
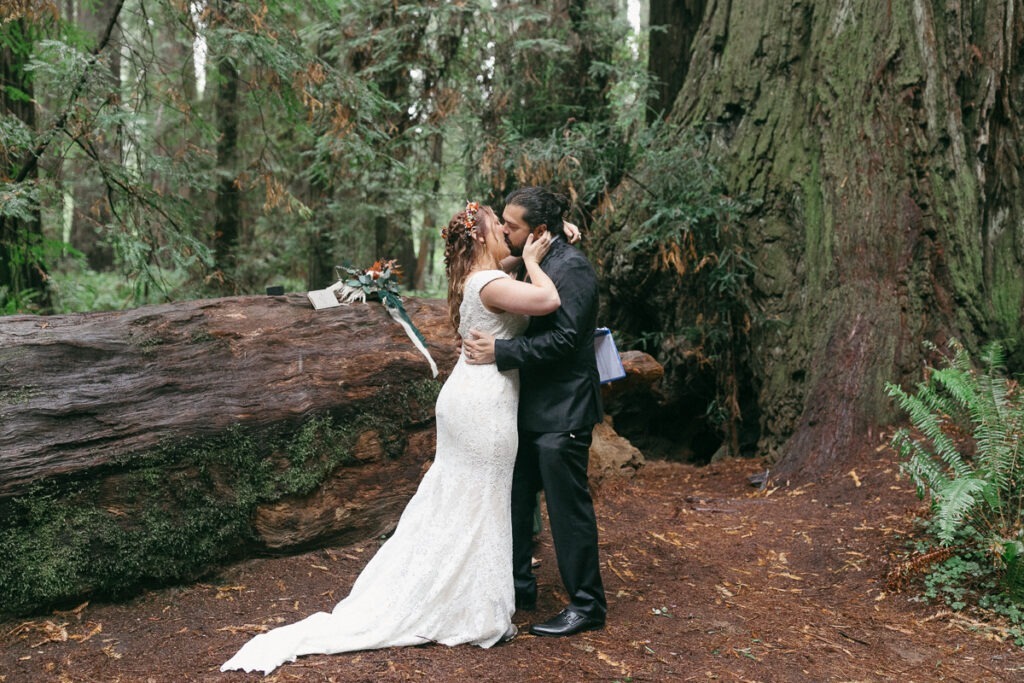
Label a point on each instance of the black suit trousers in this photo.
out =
(556, 462)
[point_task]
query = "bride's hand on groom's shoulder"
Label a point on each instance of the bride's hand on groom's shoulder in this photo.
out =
(478, 348)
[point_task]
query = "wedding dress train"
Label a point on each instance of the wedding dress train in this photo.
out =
(445, 575)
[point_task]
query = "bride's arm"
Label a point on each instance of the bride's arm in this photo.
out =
(537, 297)
(511, 264)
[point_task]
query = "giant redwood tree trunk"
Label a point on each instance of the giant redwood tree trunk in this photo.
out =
(883, 142)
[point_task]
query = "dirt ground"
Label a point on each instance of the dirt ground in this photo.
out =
(708, 578)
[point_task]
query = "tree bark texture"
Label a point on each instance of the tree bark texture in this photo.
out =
(882, 141)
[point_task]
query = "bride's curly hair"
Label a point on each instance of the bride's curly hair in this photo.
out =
(459, 254)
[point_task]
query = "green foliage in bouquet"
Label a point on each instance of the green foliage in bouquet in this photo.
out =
(967, 458)
(378, 281)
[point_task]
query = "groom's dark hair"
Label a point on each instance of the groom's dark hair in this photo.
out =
(540, 206)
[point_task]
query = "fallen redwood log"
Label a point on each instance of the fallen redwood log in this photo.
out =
(81, 391)
(150, 446)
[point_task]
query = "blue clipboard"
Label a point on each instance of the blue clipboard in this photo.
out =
(609, 363)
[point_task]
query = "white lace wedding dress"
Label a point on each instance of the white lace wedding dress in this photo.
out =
(445, 575)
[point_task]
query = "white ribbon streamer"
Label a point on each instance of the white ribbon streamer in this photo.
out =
(412, 337)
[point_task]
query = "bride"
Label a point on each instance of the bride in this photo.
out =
(445, 575)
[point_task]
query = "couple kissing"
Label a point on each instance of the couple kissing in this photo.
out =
(514, 418)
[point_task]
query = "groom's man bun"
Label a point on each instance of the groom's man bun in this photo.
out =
(541, 206)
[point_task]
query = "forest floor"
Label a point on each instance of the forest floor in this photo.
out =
(708, 578)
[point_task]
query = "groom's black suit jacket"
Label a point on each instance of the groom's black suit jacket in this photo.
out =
(559, 388)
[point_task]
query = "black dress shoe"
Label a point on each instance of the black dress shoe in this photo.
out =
(566, 624)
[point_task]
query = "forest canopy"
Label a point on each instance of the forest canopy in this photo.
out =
(194, 148)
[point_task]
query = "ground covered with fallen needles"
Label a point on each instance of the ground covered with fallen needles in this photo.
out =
(708, 578)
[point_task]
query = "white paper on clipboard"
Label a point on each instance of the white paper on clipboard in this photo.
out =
(609, 363)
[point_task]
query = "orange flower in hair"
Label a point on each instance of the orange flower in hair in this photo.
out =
(472, 208)
(468, 223)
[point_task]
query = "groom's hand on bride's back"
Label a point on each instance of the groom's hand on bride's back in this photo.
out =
(478, 348)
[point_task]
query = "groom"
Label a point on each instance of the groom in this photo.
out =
(559, 403)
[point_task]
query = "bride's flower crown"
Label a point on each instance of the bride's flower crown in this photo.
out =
(467, 226)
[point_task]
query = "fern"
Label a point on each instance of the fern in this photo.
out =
(966, 458)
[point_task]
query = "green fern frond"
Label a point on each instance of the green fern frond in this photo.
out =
(967, 456)
(918, 464)
(998, 422)
(959, 385)
(954, 502)
(1013, 561)
(926, 410)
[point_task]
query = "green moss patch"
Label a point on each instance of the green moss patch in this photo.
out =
(175, 513)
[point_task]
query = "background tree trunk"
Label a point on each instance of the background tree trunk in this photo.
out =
(393, 239)
(392, 228)
(21, 265)
(674, 24)
(228, 205)
(92, 215)
(883, 147)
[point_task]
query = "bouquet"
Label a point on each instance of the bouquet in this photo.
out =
(380, 282)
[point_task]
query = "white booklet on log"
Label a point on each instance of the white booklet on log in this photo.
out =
(323, 298)
(609, 363)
